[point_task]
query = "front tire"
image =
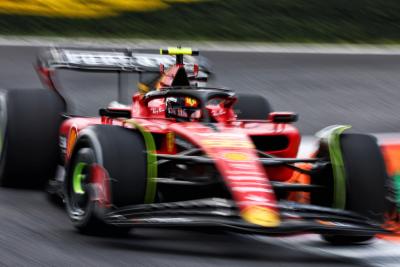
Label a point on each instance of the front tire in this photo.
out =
(366, 178)
(121, 153)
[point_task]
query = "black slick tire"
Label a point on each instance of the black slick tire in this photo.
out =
(29, 127)
(252, 107)
(365, 182)
(122, 154)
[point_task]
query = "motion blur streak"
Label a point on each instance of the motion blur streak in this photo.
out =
(82, 9)
(324, 89)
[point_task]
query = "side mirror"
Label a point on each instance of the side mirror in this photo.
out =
(283, 117)
(195, 70)
(162, 69)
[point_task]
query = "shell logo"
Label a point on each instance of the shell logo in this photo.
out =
(83, 9)
(261, 216)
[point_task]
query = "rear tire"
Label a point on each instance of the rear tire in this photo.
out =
(29, 129)
(365, 182)
(252, 107)
(119, 151)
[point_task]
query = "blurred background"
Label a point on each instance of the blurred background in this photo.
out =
(356, 21)
(346, 83)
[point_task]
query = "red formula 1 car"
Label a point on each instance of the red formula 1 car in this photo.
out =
(184, 155)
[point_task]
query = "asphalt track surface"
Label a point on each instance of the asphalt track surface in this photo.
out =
(324, 89)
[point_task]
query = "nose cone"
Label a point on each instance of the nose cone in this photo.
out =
(262, 216)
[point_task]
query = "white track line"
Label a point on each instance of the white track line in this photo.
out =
(378, 253)
(32, 41)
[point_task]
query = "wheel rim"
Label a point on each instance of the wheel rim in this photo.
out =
(78, 177)
(79, 199)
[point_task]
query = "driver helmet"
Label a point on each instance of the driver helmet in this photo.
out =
(183, 107)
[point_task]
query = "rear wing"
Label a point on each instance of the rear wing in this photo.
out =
(119, 61)
(124, 61)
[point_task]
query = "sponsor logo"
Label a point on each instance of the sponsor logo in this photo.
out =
(246, 178)
(245, 173)
(241, 166)
(227, 143)
(191, 102)
(94, 58)
(255, 198)
(236, 156)
(63, 145)
(170, 142)
(261, 216)
(254, 189)
(157, 110)
(63, 142)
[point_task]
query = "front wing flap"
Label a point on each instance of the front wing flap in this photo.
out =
(221, 213)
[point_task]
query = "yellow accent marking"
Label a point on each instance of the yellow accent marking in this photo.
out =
(143, 88)
(327, 223)
(179, 51)
(261, 216)
(71, 141)
(170, 142)
(236, 156)
(227, 143)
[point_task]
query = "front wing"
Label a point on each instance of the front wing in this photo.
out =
(222, 214)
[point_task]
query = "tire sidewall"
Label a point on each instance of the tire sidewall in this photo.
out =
(110, 148)
(361, 157)
(29, 129)
(3, 131)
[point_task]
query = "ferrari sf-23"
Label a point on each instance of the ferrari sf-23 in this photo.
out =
(183, 154)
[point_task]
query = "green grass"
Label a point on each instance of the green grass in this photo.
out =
(333, 21)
